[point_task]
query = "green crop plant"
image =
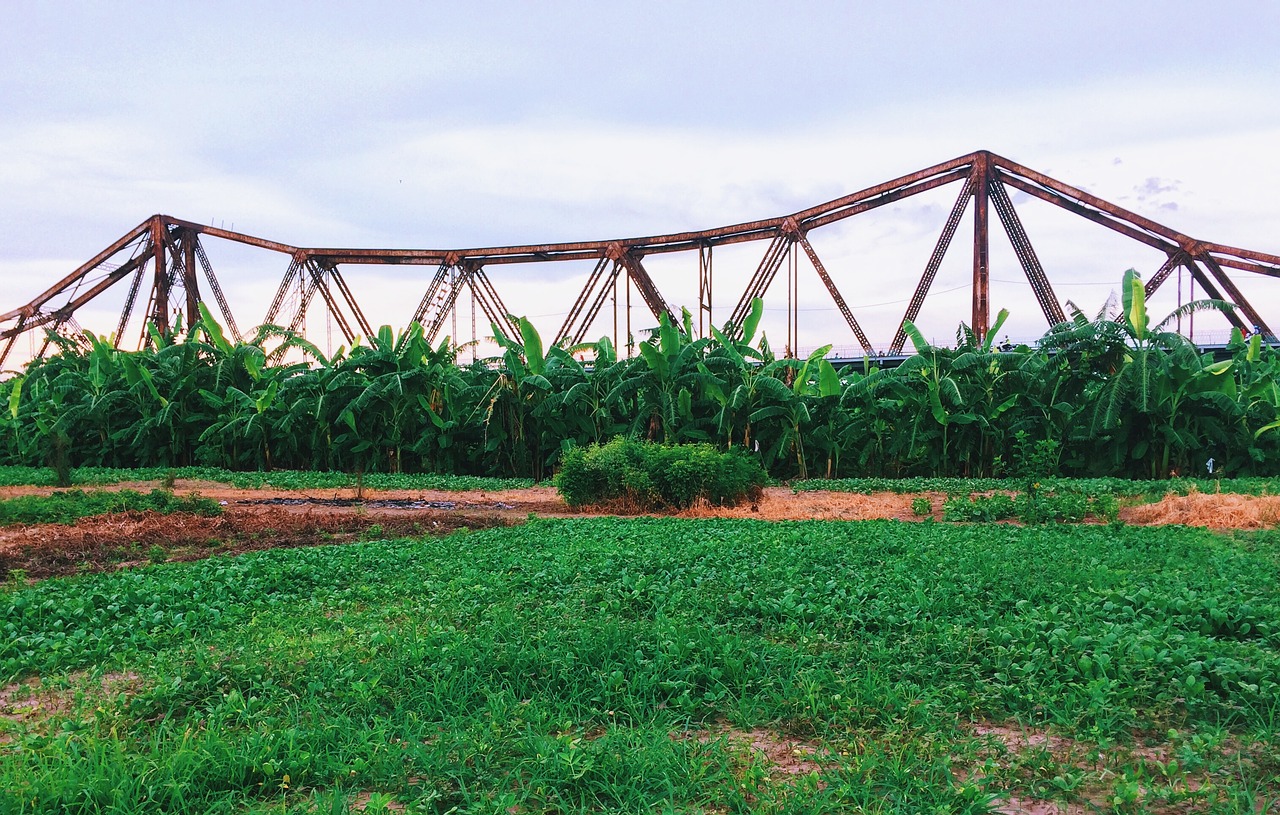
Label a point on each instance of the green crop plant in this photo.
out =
(615, 664)
(67, 507)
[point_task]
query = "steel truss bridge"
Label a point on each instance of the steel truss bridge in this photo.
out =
(165, 257)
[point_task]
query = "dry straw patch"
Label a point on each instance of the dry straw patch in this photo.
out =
(1216, 511)
(782, 504)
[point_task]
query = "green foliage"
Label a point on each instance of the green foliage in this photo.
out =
(652, 476)
(921, 505)
(584, 665)
(1122, 487)
(1035, 506)
(1092, 398)
(278, 479)
(67, 507)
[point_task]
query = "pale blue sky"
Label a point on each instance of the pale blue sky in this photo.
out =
(451, 125)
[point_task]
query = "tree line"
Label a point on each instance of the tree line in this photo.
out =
(1103, 396)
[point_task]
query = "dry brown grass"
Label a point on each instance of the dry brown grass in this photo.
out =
(781, 504)
(1215, 511)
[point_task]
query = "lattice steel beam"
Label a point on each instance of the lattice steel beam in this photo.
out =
(645, 285)
(931, 268)
(590, 300)
(1235, 295)
(1026, 255)
(168, 240)
(774, 254)
(835, 294)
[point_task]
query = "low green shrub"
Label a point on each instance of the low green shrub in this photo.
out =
(653, 476)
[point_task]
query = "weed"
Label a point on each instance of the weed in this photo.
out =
(921, 506)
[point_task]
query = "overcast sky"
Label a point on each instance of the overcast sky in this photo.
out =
(438, 125)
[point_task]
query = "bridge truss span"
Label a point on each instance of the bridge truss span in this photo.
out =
(162, 264)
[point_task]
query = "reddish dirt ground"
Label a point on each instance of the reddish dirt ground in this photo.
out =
(251, 522)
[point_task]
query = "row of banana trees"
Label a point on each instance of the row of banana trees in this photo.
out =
(1103, 396)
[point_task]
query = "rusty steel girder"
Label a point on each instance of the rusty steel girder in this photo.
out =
(166, 251)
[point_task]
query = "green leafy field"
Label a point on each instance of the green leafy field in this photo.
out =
(11, 476)
(1085, 486)
(68, 506)
(596, 665)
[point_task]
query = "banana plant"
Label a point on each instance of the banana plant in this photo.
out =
(512, 436)
(668, 385)
(792, 403)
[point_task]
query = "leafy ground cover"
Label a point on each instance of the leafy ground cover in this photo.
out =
(1121, 487)
(1035, 506)
(664, 665)
(68, 506)
(12, 476)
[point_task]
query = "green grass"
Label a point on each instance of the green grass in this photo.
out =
(556, 667)
(1087, 486)
(279, 479)
(67, 507)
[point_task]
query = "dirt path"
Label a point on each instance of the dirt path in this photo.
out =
(271, 518)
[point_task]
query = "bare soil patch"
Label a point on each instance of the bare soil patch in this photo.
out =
(782, 504)
(1165, 788)
(781, 754)
(269, 518)
(32, 701)
(108, 542)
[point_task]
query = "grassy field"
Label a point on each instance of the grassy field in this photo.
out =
(628, 665)
(14, 476)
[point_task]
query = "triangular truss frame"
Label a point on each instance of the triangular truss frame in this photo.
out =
(167, 255)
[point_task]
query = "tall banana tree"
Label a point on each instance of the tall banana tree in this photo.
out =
(510, 406)
(1140, 403)
(792, 406)
(932, 402)
(668, 385)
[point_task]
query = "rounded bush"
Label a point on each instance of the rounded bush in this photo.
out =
(654, 476)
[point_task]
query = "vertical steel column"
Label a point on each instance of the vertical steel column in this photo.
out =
(792, 302)
(981, 255)
(188, 243)
(160, 280)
